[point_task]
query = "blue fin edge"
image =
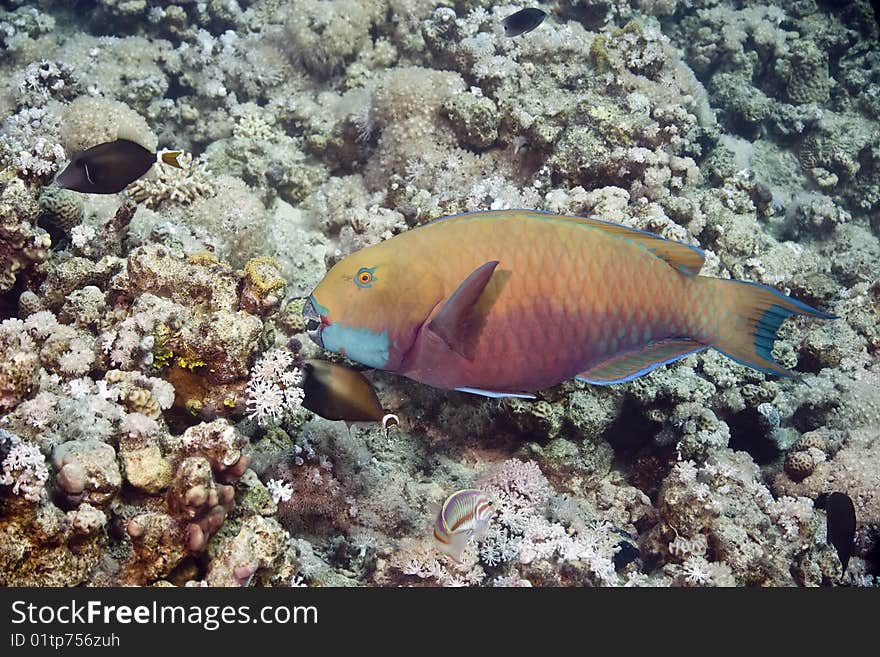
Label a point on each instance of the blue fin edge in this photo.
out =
(767, 327)
(496, 395)
(803, 308)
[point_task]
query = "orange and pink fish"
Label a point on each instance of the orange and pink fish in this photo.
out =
(504, 303)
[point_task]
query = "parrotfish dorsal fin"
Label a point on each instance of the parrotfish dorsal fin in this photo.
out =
(685, 258)
(633, 364)
(457, 324)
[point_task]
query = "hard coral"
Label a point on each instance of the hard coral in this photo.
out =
(325, 35)
(87, 470)
(62, 208)
(221, 445)
(88, 121)
(263, 287)
(808, 80)
(259, 546)
(172, 186)
(198, 500)
(698, 503)
(22, 243)
(19, 364)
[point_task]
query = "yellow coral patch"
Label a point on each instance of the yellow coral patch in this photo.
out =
(264, 273)
(188, 364)
(161, 360)
(202, 258)
(599, 52)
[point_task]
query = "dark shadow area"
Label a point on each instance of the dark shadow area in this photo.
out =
(748, 433)
(643, 463)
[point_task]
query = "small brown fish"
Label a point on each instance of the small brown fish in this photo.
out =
(841, 525)
(338, 392)
(110, 167)
(525, 20)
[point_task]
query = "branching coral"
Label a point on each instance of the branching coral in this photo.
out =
(274, 388)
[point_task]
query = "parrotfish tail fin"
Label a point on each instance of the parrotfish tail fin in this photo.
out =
(754, 313)
(171, 158)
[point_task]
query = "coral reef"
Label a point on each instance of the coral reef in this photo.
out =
(151, 420)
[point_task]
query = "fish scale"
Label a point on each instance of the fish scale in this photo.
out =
(514, 301)
(520, 329)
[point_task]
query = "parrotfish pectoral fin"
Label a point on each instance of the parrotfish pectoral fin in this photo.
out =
(633, 364)
(757, 312)
(496, 395)
(457, 324)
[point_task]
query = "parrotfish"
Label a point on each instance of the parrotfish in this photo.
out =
(522, 21)
(110, 167)
(338, 392)
(464, 515)
(503, 303)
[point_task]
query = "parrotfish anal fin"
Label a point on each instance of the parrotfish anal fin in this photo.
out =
(457, 323)
(685, 258)
(496, 395)
(633, 364)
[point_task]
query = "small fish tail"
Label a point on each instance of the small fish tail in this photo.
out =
(171, 158)
(750, 315)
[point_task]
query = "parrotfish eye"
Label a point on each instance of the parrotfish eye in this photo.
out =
(364, 277)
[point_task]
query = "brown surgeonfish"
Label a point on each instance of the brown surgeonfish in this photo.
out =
(110, 167)
(338, 392)
(841, 525)
(525, 20)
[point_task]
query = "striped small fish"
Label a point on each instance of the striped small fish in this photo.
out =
(464, 515)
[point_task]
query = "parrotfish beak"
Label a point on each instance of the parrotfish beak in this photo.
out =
(313, 322)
